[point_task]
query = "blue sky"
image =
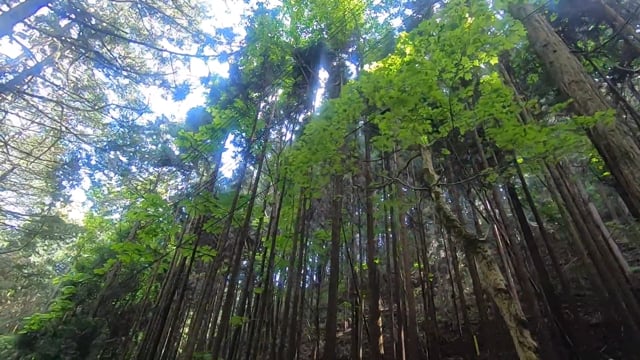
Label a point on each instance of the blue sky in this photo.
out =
(221, 14)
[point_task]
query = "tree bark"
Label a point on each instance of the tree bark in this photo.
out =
(248, 287)
(510, 310)
(238, 247)
(294, 323)
(398, 313)
(619, 151)
(549, 292)
(564, 284)
(376, 344)
(404, 264)
(332, 306)
(609, 272)
(431, 323)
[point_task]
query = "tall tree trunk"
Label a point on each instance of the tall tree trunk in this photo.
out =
(376, 343)
(354, 250)
(509, 308)
(478, 291)
(431, 323)
(460, 289)
(525, 117)
(404, 269)
(547, 287)
(412, 347)
(318, 285)
(619, 151)
(564, 285)
(153, 336)
(393, 290)
(263, 299)
(503, 228)
(446, 242)
(301, 304)
(610, 272)
(291, 278)
(197, 318)
(473, 270)
(238, 246)
(354, 289)
(206, 301)
(577, 242)
(247, 290)
(296, 311)
(334, 274)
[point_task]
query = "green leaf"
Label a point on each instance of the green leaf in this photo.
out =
(236, 321)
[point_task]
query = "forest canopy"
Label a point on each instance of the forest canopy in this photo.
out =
(319, 179)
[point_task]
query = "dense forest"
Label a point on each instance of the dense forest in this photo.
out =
(369, 179)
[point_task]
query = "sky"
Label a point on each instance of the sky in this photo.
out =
(162, 104)
(223, 14)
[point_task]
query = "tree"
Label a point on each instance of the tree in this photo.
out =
(79, 70)
(397, 195)
(619, 151)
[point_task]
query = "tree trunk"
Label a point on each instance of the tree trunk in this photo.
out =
(609, 272)
(332, 305)
(619, 25)
(431, 323)
(376, 343)
(264, 299)
(294, 323)
(550, 295)
(619, 151)
(564, 285)
(247, 290)
(525, 346)
(505, 231)
(291, 279)
(594, 277)
(354, 291)
(405, 260)
(153, 336)
(404, 266)
(236, 263)
(397, 307)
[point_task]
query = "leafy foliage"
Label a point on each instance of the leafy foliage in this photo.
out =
(169, 238)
